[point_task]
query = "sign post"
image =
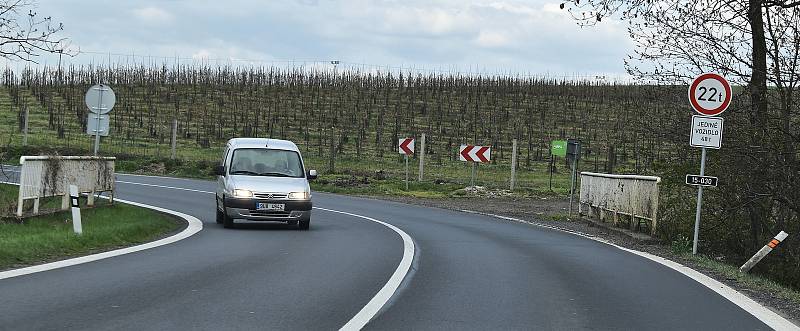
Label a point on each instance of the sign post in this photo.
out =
(421, 156)
(475, 154)
(709, 95)
(513, 163)
(406, 147)
(100, 99)
(557, 148)
(573, 152)
(25, 128)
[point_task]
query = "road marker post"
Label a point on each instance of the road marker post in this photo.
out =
(709, 95)
(763, 252)
(405, 146)
(76, 210)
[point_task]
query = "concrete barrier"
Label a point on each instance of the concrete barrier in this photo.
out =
(629, 195)
(48, 176)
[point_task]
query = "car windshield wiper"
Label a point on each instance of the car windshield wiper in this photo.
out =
(244, 172)
(275, 174)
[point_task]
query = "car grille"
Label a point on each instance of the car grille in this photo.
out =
(270, 213)
(271, 196)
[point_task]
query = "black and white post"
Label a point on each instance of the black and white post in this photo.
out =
(76, 210)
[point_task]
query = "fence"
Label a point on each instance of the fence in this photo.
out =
(630, 195)
(48, 176)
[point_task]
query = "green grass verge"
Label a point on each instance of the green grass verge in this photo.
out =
(750, 281)
(50, 237)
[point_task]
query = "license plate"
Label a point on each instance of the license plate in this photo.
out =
(270, 206)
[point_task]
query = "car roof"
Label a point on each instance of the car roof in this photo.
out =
(262, 143)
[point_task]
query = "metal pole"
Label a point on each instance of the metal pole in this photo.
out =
(422, 157)
(25, 128)
(406, 172)
(550, 169)
(572, 182)
(472, 181)
(97, 129)
(513, 163)
(174, 137)
(699, 203)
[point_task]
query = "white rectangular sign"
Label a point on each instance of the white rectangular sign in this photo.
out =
(91, 124)
(706, 132)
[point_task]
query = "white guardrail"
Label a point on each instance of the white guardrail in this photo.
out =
(49, 176)
(630, 195)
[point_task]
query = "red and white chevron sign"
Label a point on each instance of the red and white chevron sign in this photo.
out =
(482, 154)
(406, 146)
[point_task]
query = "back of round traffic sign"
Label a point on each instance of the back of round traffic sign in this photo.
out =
(710, 94)
(100, 99)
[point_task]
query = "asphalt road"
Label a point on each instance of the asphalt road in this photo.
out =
(469, 272)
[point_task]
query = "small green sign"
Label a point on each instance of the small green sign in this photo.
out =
(559, 148)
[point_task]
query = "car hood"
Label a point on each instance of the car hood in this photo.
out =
(268, 184)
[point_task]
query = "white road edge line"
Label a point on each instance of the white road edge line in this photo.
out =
(195, 226)
(380, 299)
(764, 314)
(167, 187)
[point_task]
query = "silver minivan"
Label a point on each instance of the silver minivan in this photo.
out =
(263, 180)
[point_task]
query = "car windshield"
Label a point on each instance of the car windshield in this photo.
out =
(266, 162)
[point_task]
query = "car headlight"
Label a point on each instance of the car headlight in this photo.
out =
(242, 193)
(299, 196)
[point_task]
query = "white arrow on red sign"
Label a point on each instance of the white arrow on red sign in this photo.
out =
(475, 153)
(406, 146)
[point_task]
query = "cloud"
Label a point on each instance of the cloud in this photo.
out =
(527, 36)
(153, 14)
(492, 39)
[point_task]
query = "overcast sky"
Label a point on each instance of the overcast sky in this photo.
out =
(508, 36)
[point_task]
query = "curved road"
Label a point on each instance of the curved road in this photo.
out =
(469, 272)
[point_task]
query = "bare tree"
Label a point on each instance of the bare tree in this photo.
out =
(754, 43)
(24, 34)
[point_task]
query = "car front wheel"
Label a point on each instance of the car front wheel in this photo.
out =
(304, 224)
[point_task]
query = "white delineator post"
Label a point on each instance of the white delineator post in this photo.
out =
(763, 252)
(76, 211)
(422, 157)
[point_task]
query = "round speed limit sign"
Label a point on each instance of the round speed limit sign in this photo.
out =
(710, 94)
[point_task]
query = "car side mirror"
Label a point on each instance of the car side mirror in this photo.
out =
(219, 170)
(312, 174)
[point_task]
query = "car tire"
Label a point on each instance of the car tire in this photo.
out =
(220, 215)
(304, 224)
(227, 221)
